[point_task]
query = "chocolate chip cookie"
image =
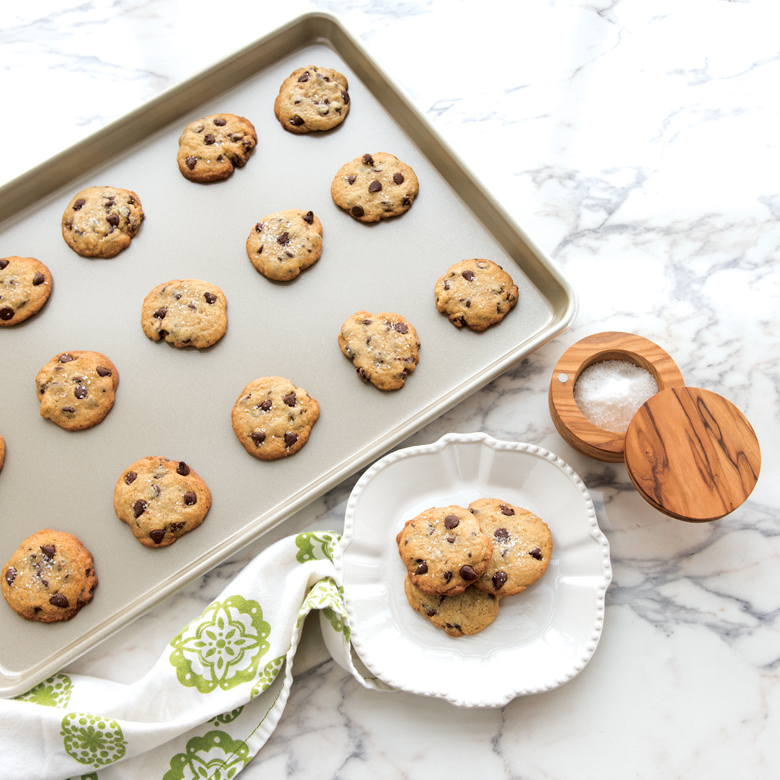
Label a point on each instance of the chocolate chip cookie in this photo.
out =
(76, 389)
(444, 550)
(383, 347)
(161, 500)
(374, 186)
(467, 613)
(49, 578)
(522, 546)
(2, 453)
(101, 221)
(476, 293)
(282, 245)
(312, 99)
(186, 313)
(25, 285)
(211, 148)
(273, 418)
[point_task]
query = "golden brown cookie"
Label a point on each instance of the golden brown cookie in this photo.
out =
(374, 186)
(312, 99)
(161, 500)
(211, 148)
(2, 453)
(101, 221)
(273, 418)
(383, 347)
(466, 614)
(282, 245)
(25, 285)
(76, 389)
(49, 578)
(186, 313)
(522, 546)
(476, 293)
(444, 550)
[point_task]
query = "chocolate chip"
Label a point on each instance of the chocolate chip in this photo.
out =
(266, 405)
(68, 409)
(451, 521)
(304, 77)
(39, 278)
(468, 573)
(3, 263)
(220, 121)
(113, 219)
(284, 239)
(10, 575)
(6, 313)
(368, 159)
(160, 313)
(157, 535)
(290, 439)
(406, 202)
(80, 391)
(451, 539)
(507, 510)
(309, 217)
(191, 162)
(536, 553)
(422, 568)
(58, 600)
(401, 327)
(79, 204)
(345, 97)
(430, 612)
(130, 477)
(446, 285)
(296, 121)
(259, 226)
(398, 178)
(501, 534)
(182, 469)
(351, 179)
(176, 527)
(139, 507)
(210, 297)
(290, 399)
(65, 358)
(48, 550)
(209, 139)
(468, 275)
(357, 211)
(447, 576)
(499, 578)
(258, 437)
(375, 186)
(190, 499)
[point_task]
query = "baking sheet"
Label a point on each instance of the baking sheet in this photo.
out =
(177, 403)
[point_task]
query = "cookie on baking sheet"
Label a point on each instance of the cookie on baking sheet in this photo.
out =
(312, 99)
(101, 221)
(522, 546)
(76, 389)
(282, 245)
(49, 578)
(211, 148)
(444, 550)
(186, 313)
(465, 614)
(383, 347)
(161, 500)
(2, 453)
(25, 285)
(374, 186)
(477, 293)
(273, 418)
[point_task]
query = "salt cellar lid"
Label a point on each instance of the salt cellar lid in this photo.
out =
(690, 453)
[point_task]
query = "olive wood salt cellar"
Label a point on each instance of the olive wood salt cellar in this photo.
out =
(690, 453)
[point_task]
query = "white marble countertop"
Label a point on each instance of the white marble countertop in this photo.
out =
(637, 143)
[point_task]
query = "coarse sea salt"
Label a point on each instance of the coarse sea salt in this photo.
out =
(610, 393)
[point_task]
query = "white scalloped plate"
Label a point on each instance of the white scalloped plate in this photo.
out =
(541, 639)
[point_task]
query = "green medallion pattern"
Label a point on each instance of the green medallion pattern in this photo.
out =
(268, 676)
(89, 739)
(216, 756)
(222, 648)
(90, 776)
(329, 597)
(307, 551)
(227, 717)
(52, 692)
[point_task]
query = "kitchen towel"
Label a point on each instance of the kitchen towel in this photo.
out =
(214, 696)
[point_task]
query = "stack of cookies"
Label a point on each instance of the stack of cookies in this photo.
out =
(461, 562)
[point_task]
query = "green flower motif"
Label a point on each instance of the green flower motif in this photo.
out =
(268, 676)
(227, 717)
(223, 647)
(329, 597)
(89, 739)
(90, 776)
(306, 550)
(216, 756)
(52, 692)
